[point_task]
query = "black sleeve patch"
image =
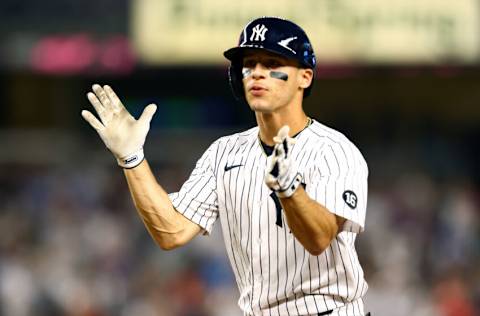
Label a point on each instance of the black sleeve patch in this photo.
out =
(350, 198)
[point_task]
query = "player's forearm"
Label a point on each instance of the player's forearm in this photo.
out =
(164, 223)
(313, 225)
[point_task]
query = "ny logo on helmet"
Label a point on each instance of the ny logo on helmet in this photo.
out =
(258, 33)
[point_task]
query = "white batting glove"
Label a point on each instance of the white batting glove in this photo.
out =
(282, 174)
(121, 132)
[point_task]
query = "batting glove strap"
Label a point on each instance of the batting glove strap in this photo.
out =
(132, 160)
(288, 191)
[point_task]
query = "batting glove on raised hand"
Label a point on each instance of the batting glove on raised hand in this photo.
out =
(282, 174)
(121, 132)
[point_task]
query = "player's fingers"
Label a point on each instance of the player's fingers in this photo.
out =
(92, 120)
(278, 139)
(148, 113)
(279, 150)
(273, 166)
(283, 133)
(271, 182)
(103, 97)
(96, 104)
(285, 146)
(116, 103)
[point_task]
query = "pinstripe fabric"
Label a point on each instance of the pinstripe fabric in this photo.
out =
(274, 272)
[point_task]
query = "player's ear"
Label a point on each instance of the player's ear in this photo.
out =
(305, 77)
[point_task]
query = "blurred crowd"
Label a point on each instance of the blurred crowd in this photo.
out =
(71, 244)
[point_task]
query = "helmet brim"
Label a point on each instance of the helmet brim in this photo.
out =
(236, 54)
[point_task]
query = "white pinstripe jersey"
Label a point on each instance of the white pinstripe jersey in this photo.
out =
(274, 272)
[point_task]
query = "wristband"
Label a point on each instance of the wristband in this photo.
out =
(132, 160)
(291, 188)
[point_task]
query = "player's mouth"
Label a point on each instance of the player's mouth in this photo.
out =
(257, 90)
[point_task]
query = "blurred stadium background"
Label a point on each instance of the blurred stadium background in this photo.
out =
(401, 78)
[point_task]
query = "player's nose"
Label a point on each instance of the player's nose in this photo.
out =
(259, 70)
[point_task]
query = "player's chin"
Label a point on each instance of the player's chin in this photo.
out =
(260, 109)
(260, 106)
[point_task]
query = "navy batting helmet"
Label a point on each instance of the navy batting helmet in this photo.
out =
(275, 35)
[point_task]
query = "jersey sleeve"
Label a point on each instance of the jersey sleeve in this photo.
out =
(197, 198)
(340, 183)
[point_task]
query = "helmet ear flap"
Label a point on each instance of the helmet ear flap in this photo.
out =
(308, 60)
(236, 81)
(308, 56)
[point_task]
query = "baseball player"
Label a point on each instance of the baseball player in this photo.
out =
(290, 193)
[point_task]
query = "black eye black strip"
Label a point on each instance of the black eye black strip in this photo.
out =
(279, 75)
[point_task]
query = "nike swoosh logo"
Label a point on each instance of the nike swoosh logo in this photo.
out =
(227, 168)
(285, 42)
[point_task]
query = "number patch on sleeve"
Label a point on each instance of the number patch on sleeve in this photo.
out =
(350, 198)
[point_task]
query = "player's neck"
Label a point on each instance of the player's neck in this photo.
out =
(270, 123)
